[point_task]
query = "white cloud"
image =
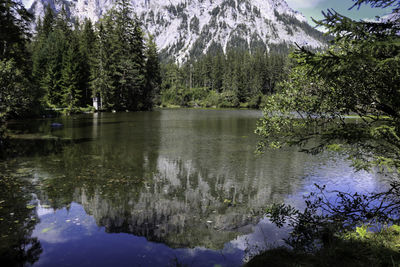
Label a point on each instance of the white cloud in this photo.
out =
(303, 3)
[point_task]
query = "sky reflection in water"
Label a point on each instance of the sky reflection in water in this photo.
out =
(166, 188)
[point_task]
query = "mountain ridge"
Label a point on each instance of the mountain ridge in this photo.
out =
(190, 28)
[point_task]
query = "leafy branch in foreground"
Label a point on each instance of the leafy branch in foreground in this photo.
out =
(345, 99)
(330, 214)
(378, 3)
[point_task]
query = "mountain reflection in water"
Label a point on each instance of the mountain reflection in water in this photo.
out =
(180, 186)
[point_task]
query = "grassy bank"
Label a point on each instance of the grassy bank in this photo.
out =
(204, 98)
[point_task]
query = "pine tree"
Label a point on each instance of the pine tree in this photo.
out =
(138, 75)
(62, 22)
(126, 62)
(48, 23)
(71, 76)
(358, 74)
(217, 72)
(14, 34)
(17, 95)
(88, 40)
(153, 75)
(54, 48)
(43, 29)
(102, 83)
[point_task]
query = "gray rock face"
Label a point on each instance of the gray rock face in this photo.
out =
(184, 28)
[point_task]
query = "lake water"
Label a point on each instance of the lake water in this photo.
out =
(163, 188)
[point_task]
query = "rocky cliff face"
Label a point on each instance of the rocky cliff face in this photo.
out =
(184, 28)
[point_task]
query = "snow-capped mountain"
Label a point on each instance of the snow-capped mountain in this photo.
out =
(184, 28)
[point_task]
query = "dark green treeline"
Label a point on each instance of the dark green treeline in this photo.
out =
(66, 63)
(73, 62)
(17, 95)
(235, 79)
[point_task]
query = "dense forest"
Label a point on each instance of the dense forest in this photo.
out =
(65, 65)
(234, 79)
(74, 62)
(309, 102)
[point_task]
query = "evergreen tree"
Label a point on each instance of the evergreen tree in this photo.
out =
(88, 40)
(129, 52)
(58, 62)
(138, 74)
(14, 34)
(217, 72)
(71, 76)
(120, 62)
(153, 75)
(54, 49)
(102, 83)
(257, 68)
(357, 75)
(229, 79)
(17, 95)
(39, 51)
(62, 22)
(48, 23)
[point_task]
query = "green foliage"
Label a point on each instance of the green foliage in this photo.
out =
(235, 79)
(212, 99)
(229, 100)
(73, 62)
(15, 90)
(51, 81)
(14, 34)
(362, 231)
(71, 72)
(357, 75)
(87, 39)
(153, 74)
(48, 22)
(379, 248)
(126, 72)
(344, 99)
(128, 58)
(17, 95)
(101, 74)
(332, 216)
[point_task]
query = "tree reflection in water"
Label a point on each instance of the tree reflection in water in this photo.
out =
(185, 179)
(18, 219)
(181, 180)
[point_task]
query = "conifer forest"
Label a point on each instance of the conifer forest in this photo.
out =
(278, 146)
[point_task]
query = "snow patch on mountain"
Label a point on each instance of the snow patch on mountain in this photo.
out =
(185, 28)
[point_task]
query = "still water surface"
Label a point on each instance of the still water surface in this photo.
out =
(161, 188)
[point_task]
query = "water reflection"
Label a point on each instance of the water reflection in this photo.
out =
(185, 179)
(17, 221)
(181, 178)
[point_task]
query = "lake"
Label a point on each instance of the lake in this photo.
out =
(164, 188)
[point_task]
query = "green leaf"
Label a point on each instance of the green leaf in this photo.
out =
(45, 230)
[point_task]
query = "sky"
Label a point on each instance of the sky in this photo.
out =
(313, 8)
